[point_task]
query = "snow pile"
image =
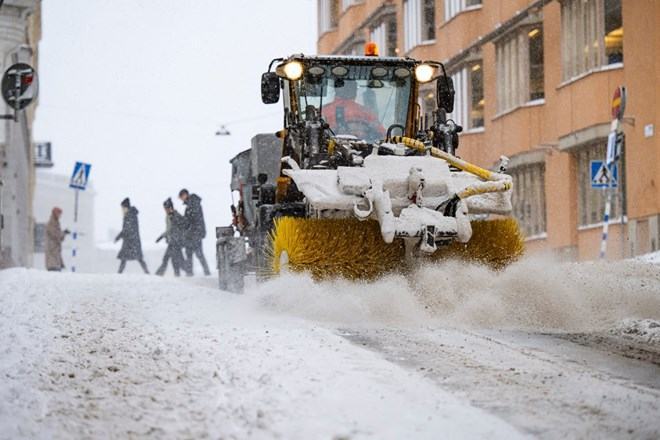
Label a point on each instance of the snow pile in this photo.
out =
(639, 330)
(652, 258)
(108, 356)
(533, 294)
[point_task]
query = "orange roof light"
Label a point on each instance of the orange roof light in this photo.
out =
(371, 49)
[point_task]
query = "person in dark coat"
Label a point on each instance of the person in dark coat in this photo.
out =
(131, 248)
(195, 229)
(174, 235)
(54, 238)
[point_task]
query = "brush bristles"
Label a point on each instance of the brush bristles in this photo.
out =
(328, 248)
(495, 243)
(352, 249)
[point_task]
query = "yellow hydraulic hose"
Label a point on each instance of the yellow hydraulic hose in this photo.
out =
(484, 187)
(451, 159)
(496, 182)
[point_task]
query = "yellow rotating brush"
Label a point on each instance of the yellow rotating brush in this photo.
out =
(353, 249)
(328, 248)
(495, 243)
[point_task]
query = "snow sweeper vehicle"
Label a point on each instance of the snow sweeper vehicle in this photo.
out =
(365, 184)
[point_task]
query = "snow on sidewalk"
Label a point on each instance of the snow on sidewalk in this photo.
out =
(652, 258)
(111, 356)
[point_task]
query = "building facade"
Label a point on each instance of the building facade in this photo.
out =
(534, 81)
(20, 32)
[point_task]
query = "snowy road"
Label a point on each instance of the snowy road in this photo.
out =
(538, 351)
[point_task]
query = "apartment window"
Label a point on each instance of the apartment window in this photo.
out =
(476, 95)
(428, 20)
(418, 22)
(355, 49)
(592, 35)
(392, 49)
(454, 7)
(528, 198)
(591, 202)
(613, 32)
(384, 35)
(428, 105)
(469, 98)
(520, 68)
(328, 15)
(536, 67)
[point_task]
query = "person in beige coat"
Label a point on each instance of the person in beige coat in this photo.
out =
(54, 238)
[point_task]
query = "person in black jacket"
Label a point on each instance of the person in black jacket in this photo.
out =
(174, 235)
(195, 229)
(131, 248)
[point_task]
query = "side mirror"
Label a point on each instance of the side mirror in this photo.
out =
(270, 88)
(445, 93)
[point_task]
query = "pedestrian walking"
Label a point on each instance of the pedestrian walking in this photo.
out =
(174, 236)
(195, 229)
(54, 238)
(131, 248)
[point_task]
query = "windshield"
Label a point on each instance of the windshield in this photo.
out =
(357, 104)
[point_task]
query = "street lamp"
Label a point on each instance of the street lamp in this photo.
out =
(222, 131)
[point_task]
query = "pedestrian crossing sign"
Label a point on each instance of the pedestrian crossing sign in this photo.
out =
(80, 176)
(601, 175)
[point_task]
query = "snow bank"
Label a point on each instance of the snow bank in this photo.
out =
(534, 294)
(653, 258)
(108, 356)
(646, 331)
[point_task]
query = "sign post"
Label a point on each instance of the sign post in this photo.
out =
(614, 149)
(78, 183)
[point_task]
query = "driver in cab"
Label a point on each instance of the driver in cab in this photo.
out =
(346, 116)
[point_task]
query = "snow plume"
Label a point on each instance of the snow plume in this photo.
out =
(533, 294)
(387, 300)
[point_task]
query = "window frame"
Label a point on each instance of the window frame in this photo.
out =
(514, 68)
(453, 8)
(413, 24)
(463, 99)
(379, 33)
(574, 35)
(424, 25)
(529, 198)
(329, 22)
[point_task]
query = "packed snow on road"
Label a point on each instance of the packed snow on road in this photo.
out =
(541, 350)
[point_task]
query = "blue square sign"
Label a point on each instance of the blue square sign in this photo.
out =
(601, 175)
(80, 176)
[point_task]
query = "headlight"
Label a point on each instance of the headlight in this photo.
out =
(293, 70)
(424, 73)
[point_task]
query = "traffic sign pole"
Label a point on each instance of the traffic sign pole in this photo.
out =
(74, 234)
(606, 218)
(611, 158)
(78, 183)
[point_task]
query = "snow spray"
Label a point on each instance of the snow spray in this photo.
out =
(536, 293)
